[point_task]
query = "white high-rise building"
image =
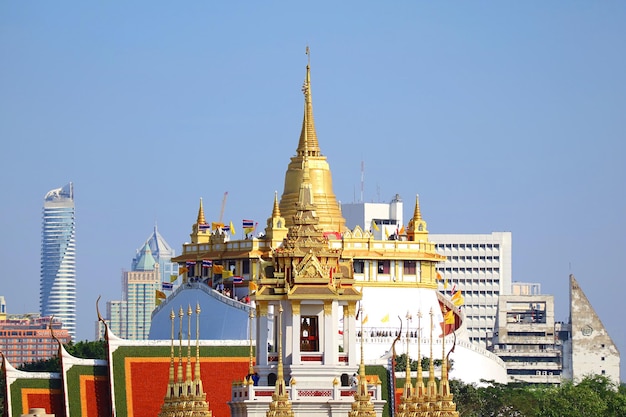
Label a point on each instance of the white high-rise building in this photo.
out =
(57, 293)
(480, 266)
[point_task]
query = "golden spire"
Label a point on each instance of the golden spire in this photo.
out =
(446, 405)
(201, 219)
(197, 379)
(418, 401)
(308, 145)
(417, 226)
(172, 381)
(250, 364)
(180, 352)
(185, 398)
(188, 367)
(408, 396)
(308, 149)
(431, 389)
(276, 209)
(280, 405)
(362, 405)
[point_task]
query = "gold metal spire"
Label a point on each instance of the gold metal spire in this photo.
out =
(280, 405)
(276, 208)
(330, 218)
(362, 405)
(431, 388)
(201, 219)
(185, 398)
(417, 226)
(308, 145)
(420, 389)
(447, 406)
(408, 396)
(250, 364)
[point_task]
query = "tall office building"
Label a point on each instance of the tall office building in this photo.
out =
(130, 317)
(57, 292)
(162, 252)
(480, 266)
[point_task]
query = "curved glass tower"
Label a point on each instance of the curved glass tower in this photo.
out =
(57, 291)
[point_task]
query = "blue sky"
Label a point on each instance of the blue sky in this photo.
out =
(502, 116)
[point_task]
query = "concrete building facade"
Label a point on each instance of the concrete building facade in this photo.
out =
(524, 337)
(587, 348)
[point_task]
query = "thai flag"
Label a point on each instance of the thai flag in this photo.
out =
(190, 263)
(248, 224)
(207, 264)
(167, 286)
(204, 226)
(237, 280)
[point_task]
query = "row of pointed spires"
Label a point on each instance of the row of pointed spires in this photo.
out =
(185, 396)
(427, 401)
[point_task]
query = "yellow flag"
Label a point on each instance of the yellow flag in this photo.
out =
(158, 302)
(173, 277)
(375, 226)
(232, 228)
(449, 317)
(182, 270)
(160, 294)
(445, 284)
(227, 274)
(364, 319)
(218, 269)
(386, 233)
(438, 276)
(385, 319)
(252, 287)
(402, 231)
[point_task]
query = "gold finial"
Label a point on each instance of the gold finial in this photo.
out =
(250, 366)
(185, 397)
(419, 384)
(276, 209)
(417, 213)
(201, 219)
(431, 395)
(327, 208)
(280, 405)
(171, 387)
(362, 405)
(308, 53)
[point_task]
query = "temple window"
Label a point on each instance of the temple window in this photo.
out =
(309, 334)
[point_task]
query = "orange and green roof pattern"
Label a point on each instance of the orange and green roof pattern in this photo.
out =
(27, 393)
(141, 376)
(88, 391)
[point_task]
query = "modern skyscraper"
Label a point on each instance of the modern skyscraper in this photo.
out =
(57, 291)
(130, 317)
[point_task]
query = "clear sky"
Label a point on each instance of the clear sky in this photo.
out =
(502, 116)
